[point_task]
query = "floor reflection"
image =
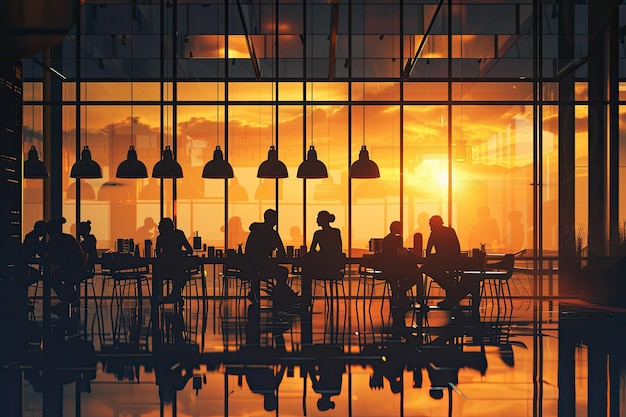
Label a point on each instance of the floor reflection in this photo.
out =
(120, 355)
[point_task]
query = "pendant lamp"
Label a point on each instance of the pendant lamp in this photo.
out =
(312, 167)
(272, 167)
(364, 167)
(167, 167)
(86, 167)
(217, 167)
(34, 168)
(131, 167)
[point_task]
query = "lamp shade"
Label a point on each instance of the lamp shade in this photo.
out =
(312, 167)
(131, 167)
(364, 167)
(167, 167)
(33, 167)
(272, 167)
(86, 167)
(217, 167)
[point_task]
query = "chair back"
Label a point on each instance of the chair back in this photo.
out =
(505, 265)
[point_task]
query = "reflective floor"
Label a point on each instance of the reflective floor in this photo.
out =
(351, 355)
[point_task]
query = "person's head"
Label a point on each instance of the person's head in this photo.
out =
(271, 216)
(395, 227)
(149, 222)
(435, 222)
(55, 226)
(270, 402)
(324, 217)
(40, 228)
(324, 403)
(483, 213)
(166, 225)
(84, 228)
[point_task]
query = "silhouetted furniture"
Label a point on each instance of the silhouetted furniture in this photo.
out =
(603, 280)
(330, 279)
(194, 271)
(127, 276)
(494, 281)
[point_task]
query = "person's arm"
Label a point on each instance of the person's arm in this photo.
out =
(185, 243)
(280, 248)
(315, 243)
(340, 241)
(430, 244)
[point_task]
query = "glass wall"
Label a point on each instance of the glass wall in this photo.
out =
(441, 95)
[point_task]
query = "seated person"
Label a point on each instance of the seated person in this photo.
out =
(259, 265)
(34, 246)
(88, 244)
(442, 264)
(66, 262)
(399, 267)
(171, 248)
(325, 259)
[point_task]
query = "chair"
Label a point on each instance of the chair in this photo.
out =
(494, 281)
(127, 276)
(331, 283)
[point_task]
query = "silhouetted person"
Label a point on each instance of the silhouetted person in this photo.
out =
(441, 264)
(88, 244)
(422, 227)
(236, 234)
(146, 232)
(33, 247)
(171, 248)
(516, 234)
(262, 375)
(326, 373)
(174, 365)
(296, 236)
(66, 262)
(485, 231)
(399, 267)
(325, 259)
(259, 265)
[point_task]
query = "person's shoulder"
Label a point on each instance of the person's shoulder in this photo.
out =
(256, 226)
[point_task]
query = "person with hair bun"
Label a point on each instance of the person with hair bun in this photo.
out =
(325, 259)
(88, 244)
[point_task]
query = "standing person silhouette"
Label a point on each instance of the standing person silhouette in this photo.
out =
(262, 241)
(88, 244)
(171, 248)
(325, 258)
(66, 262)
(399, 267)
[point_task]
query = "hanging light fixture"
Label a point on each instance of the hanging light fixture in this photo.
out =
(218, 167)
(34, 168)
(364, 167)
(272, 167)
(132, 167)
(167, 167)
(86, 167)
(312, 167)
